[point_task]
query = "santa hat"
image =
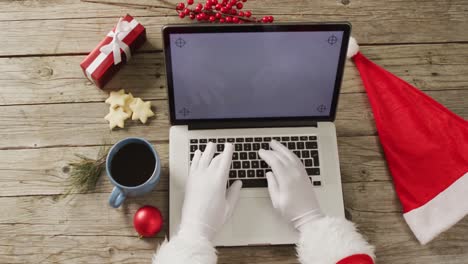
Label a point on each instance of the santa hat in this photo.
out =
(426, 148)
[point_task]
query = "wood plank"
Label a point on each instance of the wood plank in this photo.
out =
(70, 124)
(50, 218)
(74, 36)
(78, 124)
(449, 248)
(119, 249)
(71, 36)
(396, 244)
(73, 215)
(397, 9)
(20, 248)
(362, 160)
(393, 21)
(80, 214)
(35, 80)
(44, 171)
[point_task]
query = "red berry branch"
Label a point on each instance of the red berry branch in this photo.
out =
(222, 11)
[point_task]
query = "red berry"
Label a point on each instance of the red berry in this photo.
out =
(192, 16)
(235, 20)
(233, 2)
(239, 5)
(212, 19)
(233, 11)
(186, 11)
(228, 19)
(222, 20)
(207, 7)
(248, 13)
(190, 2)
(180, 6)
(218, 7)
(265, 19)
(225, 2)
(181, 14)
(271, 19)
(218, 15)
(224, 10)
(200, 17)
(244, 0)
(241, 14)
(229, 6)
(214, 2)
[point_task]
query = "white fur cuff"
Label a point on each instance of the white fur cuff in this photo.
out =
(329, 239)
(184, 250)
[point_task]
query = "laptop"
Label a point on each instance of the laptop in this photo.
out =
(247, 85)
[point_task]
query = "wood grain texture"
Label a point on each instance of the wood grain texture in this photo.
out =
(449, 248)
(37, 80)
(21, 248)
(393, 21)
(44, 171)
(49, 111)
(79, 124)
(73, 36)
(79, 214)
(59, 224)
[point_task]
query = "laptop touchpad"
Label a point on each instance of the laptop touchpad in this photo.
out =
(257, 222)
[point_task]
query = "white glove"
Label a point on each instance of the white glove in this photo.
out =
(207, 204)
(290, 189)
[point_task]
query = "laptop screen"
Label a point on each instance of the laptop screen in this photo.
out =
(260, 75)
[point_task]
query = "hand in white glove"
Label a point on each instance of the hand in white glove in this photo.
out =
(290, 189)
(207, 204)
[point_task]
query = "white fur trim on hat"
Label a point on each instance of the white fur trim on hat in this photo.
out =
(440, 213)
(329, 240)
(353, 48)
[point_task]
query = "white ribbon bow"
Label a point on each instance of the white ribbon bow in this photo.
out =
(121, 30)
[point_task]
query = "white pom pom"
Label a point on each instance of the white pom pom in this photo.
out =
(353, 48)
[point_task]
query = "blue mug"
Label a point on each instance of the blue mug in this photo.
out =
(120, 192)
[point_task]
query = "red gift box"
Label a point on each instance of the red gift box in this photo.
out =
(114, 51)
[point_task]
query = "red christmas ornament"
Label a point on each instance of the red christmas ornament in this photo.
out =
(148, 221)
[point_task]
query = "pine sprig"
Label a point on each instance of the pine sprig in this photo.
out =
(85, 172)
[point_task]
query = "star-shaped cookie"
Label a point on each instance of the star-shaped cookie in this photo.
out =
(129, 101)
(118, 98)
(141, 110)
(116, 117)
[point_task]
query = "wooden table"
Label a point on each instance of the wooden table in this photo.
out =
(49, 112)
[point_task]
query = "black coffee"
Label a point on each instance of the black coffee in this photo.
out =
(133, 164)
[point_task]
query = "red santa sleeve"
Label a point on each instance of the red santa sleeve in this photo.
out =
(357, 259)
(333, 240)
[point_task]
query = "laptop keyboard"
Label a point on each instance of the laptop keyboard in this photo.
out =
(247, 165)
